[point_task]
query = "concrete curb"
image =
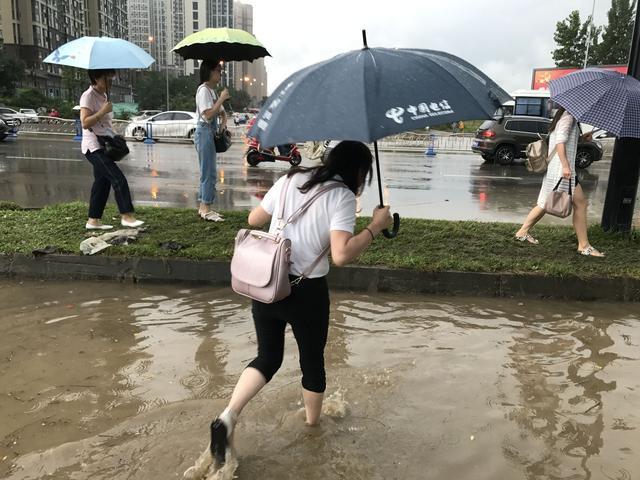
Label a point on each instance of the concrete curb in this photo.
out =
(356, 278)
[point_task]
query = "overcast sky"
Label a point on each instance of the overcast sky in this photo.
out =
(506, 39)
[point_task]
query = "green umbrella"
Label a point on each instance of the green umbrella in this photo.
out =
(221, 44)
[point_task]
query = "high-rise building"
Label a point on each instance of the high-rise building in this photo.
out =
(195, 19)
(31, 29)
(220, 15)
(249, 76)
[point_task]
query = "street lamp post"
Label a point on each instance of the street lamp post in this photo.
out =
(589, 29)
(617, 214)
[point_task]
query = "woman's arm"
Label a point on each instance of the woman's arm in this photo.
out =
(345, 247)
(209, 113)
(258, 217)
(88, 120)
(563, 130)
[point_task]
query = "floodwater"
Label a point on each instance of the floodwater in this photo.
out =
(119, 381)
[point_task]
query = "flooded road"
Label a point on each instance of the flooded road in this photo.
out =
(37, 171)
(119, 381)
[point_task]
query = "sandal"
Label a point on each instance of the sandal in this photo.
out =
(211, 216)
(591, 252)
(527, 238)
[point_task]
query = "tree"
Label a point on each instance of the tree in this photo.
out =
(11, 72)
(616, 39)
(571, 40)
(73, 82)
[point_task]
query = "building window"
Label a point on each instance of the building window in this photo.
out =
(195, 25)
(195, 5)
(195, 15)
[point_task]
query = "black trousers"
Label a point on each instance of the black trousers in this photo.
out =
(307, 311)
(107, 175)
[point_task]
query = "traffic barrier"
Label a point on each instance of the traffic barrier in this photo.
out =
(149, 138)
(78, 137)
(431, 152)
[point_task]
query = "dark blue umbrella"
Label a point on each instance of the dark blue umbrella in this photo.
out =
(605, 99)
(371, 93)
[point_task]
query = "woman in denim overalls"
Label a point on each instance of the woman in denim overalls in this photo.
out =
(208, 108)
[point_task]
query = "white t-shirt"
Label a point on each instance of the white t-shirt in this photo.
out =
(205, 98)
(310, 233)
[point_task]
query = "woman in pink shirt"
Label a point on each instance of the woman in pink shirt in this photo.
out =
(96, 116)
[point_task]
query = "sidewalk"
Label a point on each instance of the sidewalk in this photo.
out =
(428, 256)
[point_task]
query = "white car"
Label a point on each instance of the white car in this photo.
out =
(145, 114)
(9, 115)
(172, 124)
(28, 115)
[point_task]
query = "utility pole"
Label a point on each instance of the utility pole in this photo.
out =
(617, 215)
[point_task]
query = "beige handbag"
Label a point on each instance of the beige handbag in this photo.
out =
(559, 203)
(261, 261)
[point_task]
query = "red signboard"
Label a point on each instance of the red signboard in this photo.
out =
(542, 76)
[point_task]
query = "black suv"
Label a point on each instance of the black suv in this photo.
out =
(505, 139)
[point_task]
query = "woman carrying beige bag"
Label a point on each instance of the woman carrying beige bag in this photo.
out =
(564, 134)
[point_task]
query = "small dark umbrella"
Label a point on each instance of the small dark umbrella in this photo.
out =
(371, 93)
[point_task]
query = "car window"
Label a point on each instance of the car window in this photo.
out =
(181, 116)
(5, 110)
(543, 127)
(529, 106)
(513, 125)
(529, 127)
(486, 125)
(163, 117)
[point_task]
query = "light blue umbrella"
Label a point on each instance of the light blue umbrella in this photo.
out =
(604, 99)
(93, 53)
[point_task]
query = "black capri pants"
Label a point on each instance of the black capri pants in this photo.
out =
(307, 311)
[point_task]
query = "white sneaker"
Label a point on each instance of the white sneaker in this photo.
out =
(134, 224)
(102, 226)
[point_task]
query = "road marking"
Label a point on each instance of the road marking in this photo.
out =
(47, 158)
(485, 177)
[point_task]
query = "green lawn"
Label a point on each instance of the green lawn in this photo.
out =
(429, 245)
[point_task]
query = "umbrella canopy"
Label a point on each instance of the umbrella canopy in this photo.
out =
(93, 53)
(371, 93)
(226, 44)
(602, 98)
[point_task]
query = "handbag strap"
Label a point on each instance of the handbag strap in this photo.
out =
(560, 181)
(281, 223)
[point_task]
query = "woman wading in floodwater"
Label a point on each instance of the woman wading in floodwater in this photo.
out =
(330, 220)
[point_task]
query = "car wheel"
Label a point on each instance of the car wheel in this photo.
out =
(505, 154)
(254, 158)
(295, 159)
(191, 133)
(584, 158)
(139, 134)
(487, 158)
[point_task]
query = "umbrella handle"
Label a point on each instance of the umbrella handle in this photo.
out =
(394, 230)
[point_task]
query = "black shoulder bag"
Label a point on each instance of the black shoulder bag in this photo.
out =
(114, 147)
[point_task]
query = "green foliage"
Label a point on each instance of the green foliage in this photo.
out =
(11, 72)
(617, 36)
(30, 98)
(426, 245)
(571, 40)
(73, 80)
(610, 45)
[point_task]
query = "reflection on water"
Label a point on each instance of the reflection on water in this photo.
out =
(104, 380)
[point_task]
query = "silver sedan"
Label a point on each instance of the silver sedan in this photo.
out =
(172, 124)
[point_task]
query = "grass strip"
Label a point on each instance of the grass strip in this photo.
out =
(425, 245)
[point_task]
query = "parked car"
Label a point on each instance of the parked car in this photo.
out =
(10, 116)
(29, 115)
(145, 114)
(172, 124)
(505, 139)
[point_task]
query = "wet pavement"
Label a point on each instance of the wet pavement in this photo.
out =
(36, 171)
(122, 384)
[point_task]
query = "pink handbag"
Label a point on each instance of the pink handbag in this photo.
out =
(559, 203)
(261, 261)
